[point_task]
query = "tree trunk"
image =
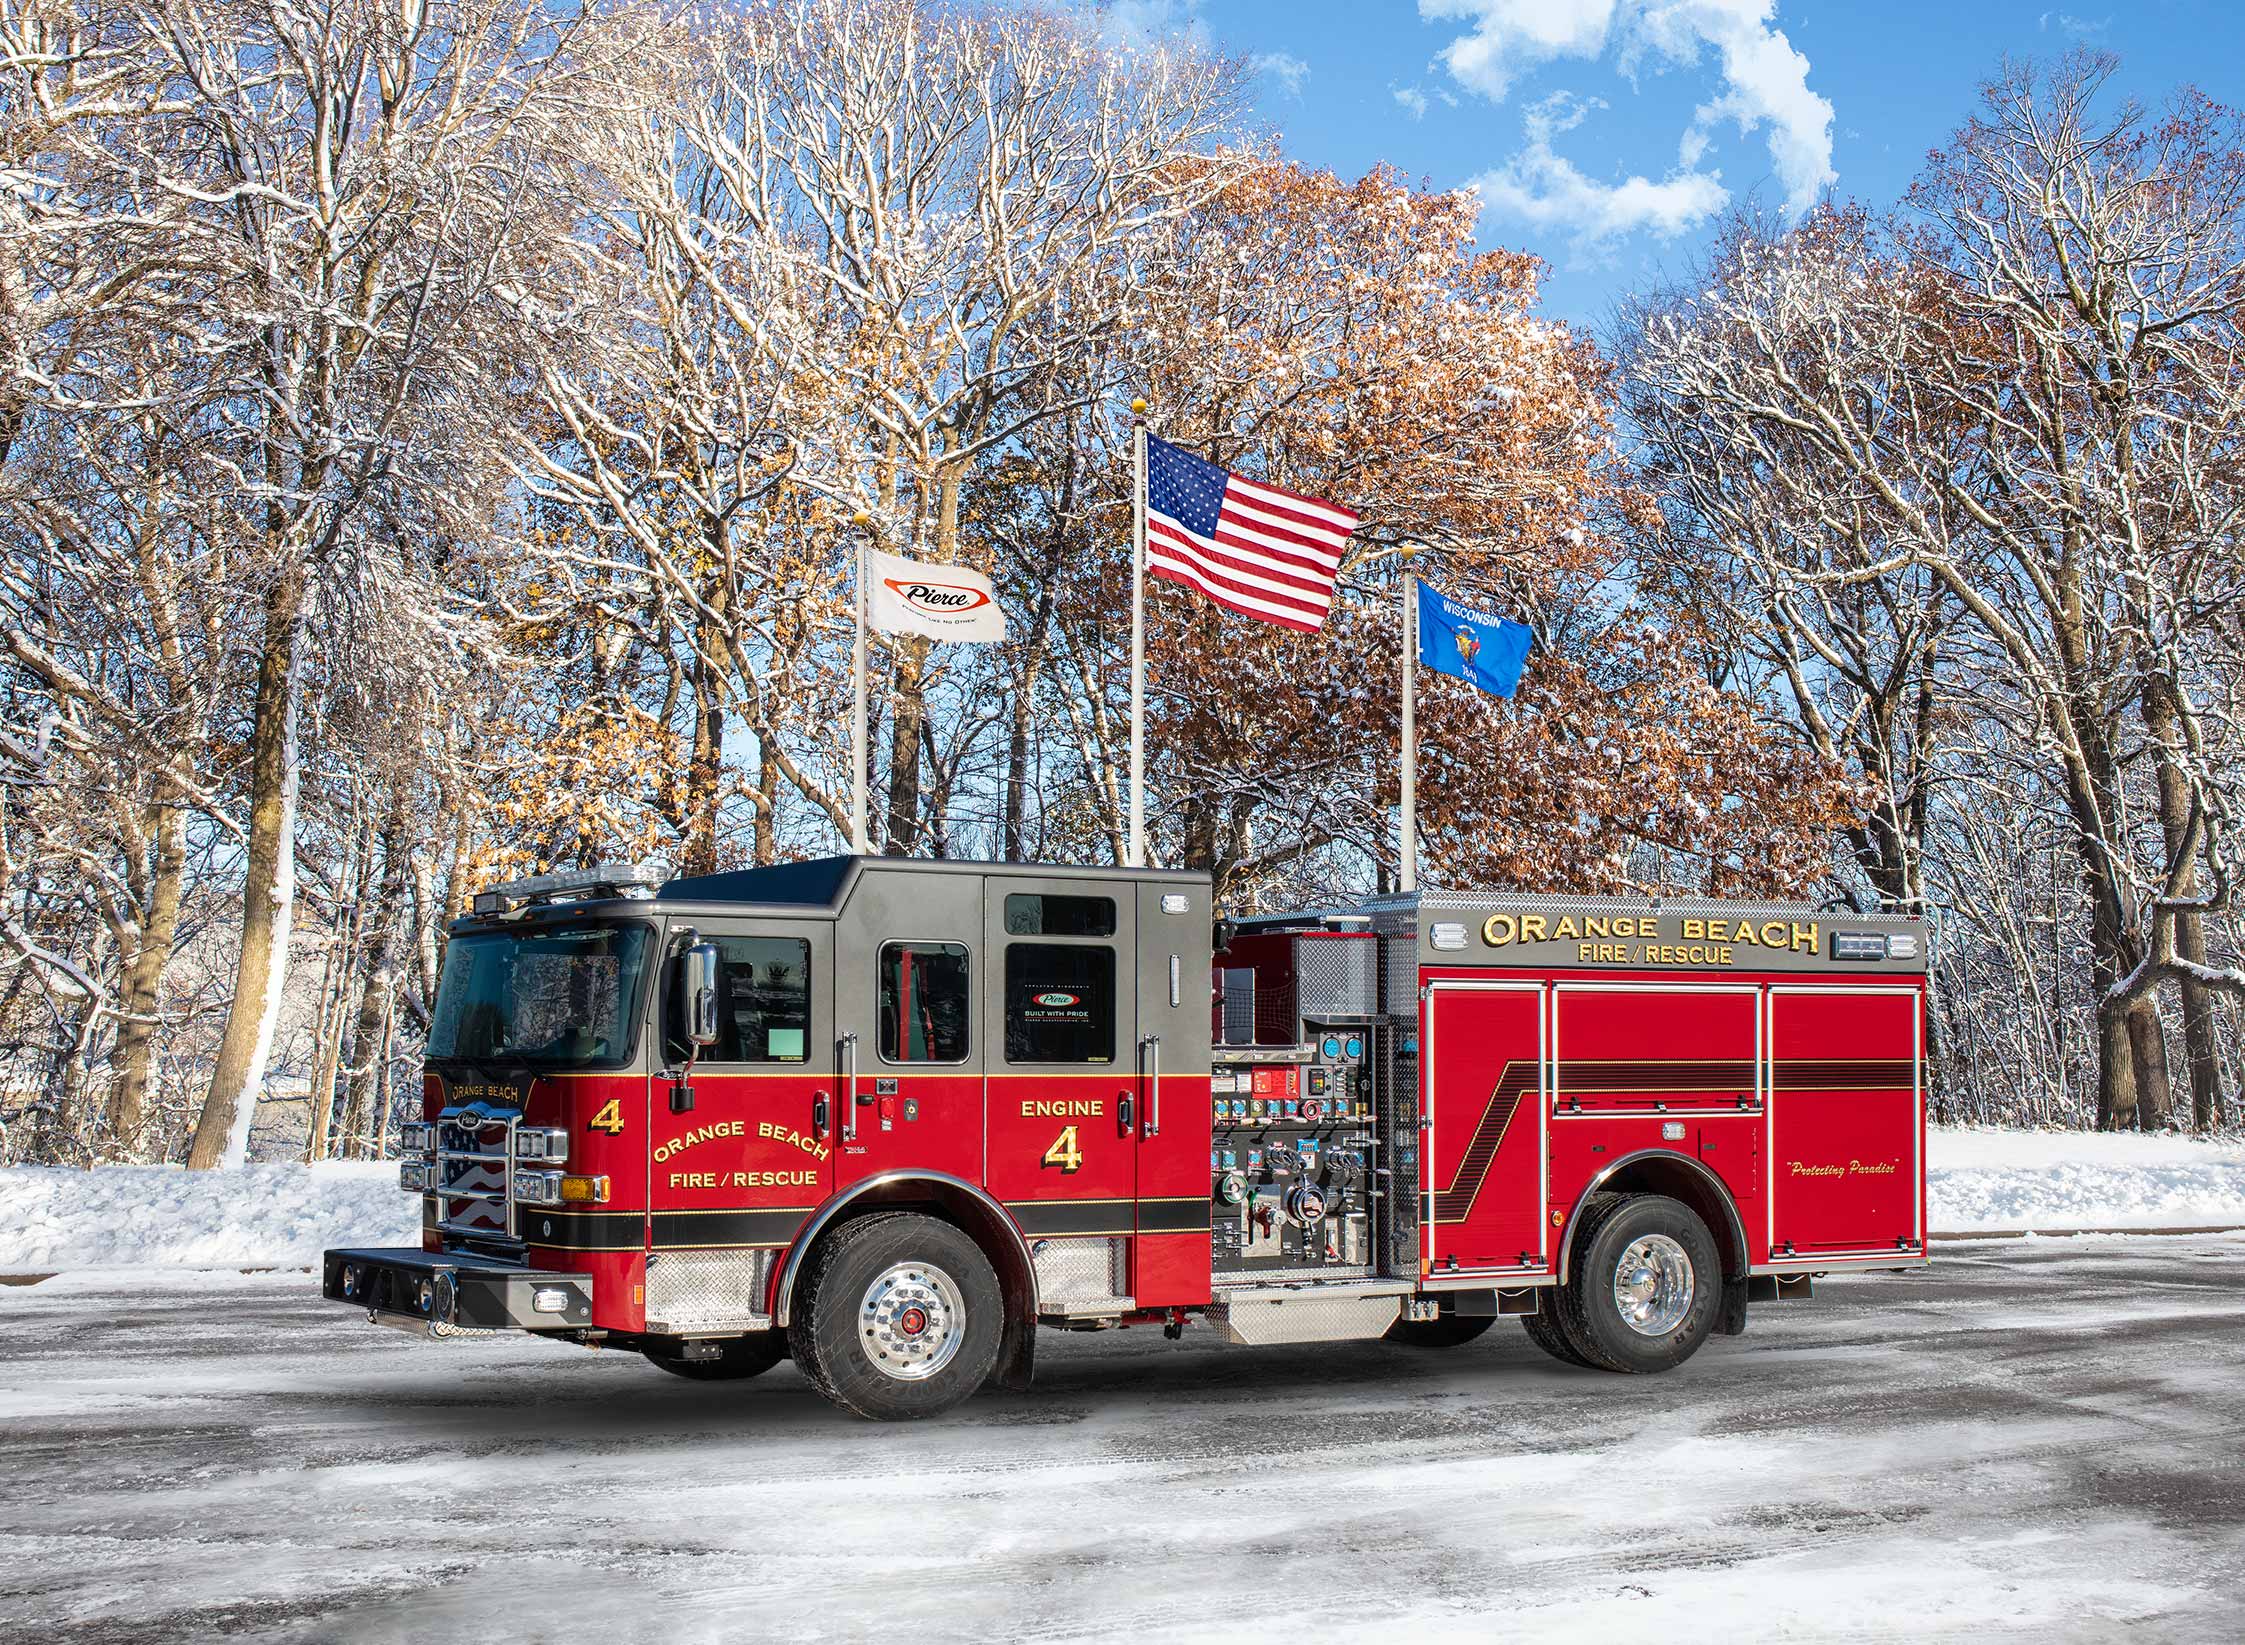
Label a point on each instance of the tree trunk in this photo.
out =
(378, 981)
(705, 766)
(268, 888)
(2116, 1080)
(144, 981)
(764, 846)
(2202, 1040)
(2201, 1045)
(2147, 1047)
(335, 991)
(907, 710)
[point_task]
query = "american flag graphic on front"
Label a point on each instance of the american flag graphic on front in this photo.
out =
(1249, 547)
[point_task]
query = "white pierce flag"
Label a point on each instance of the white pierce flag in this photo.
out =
(943, 602)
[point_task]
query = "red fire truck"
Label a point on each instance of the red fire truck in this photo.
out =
(888, 1117)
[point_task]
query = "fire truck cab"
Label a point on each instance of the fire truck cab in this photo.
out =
(887, 1117)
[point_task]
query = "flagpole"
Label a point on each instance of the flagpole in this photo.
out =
(858, 843)
(1410, 847)
(1137, 858)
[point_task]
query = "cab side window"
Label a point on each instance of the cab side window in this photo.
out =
(763, 1002)
(1060, 1002)
(924, 1003)
(763, 999)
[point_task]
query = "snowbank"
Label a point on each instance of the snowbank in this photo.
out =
(268, 1216)
(255, 1217)
(2074, 1179)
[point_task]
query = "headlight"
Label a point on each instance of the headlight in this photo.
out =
(548, 1143)
(416, 1176)
(417, 1137)
(552, 1188)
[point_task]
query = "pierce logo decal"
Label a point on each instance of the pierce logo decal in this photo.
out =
(938, 599)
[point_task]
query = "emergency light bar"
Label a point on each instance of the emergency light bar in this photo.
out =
(614, 878)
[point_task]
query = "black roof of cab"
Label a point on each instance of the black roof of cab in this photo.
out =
(815, 883)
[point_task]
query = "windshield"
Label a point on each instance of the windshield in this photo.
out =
(558, 998)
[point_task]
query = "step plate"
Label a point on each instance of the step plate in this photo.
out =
(1306, 1315)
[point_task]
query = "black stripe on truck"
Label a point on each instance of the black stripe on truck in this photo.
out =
(1050, 1219)
(691, 1230)
(561, 1228)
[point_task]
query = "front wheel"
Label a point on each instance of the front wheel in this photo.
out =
(901, 1317)
(1645, 1286)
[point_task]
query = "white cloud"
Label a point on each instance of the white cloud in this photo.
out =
(2074, 28)
(1764, 79)
(1541, 187)
(1284, 67)
(1413, 100)
(1513, 34)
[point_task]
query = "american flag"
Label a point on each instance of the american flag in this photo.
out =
(1250, 547)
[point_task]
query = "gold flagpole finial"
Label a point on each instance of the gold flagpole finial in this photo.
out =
(1138, 408)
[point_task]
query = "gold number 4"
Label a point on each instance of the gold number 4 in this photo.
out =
(1064, 1152)
(610, 1119)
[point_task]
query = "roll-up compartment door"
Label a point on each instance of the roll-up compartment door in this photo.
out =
(1482, 1062)
(1844, 1121)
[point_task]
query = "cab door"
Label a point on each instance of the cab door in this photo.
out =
(743, 1136)
(911, 1047)
(1066, 1106)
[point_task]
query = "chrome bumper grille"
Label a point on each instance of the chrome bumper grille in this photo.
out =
(475, 1171)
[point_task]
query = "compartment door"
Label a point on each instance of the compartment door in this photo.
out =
(1846, 1133)
(1485, 1179)
(1654, 1049)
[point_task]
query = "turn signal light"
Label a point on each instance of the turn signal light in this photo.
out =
(577, 1190)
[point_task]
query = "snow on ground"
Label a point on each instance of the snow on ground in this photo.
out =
(2030, 1442)
(123, 1216)
(265, 1216)
(2079, 1179)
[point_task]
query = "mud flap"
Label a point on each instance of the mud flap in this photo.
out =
(1017, 1355)
(1731, 1322)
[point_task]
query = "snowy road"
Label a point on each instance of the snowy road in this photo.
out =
(2035, 1440)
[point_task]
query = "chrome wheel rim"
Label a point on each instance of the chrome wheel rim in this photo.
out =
(911, 1321)
(1653, 1285)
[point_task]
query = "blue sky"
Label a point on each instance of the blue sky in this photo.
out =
(1604, 133)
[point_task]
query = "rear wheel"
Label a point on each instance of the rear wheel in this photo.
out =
(737, 1357)
(899, 1316)
(1645, 1286)
(1446, 1331)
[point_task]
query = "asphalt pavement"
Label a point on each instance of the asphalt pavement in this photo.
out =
(2036, 1439)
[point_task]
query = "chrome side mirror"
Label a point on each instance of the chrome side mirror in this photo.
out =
(701, 994)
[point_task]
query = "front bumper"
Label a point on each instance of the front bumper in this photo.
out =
(443, 1292)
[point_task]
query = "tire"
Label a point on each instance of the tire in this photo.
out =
(899, 1317)
(1449, 1331)
(739, 1358)
(1543, 1330)
(1673, 1284)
